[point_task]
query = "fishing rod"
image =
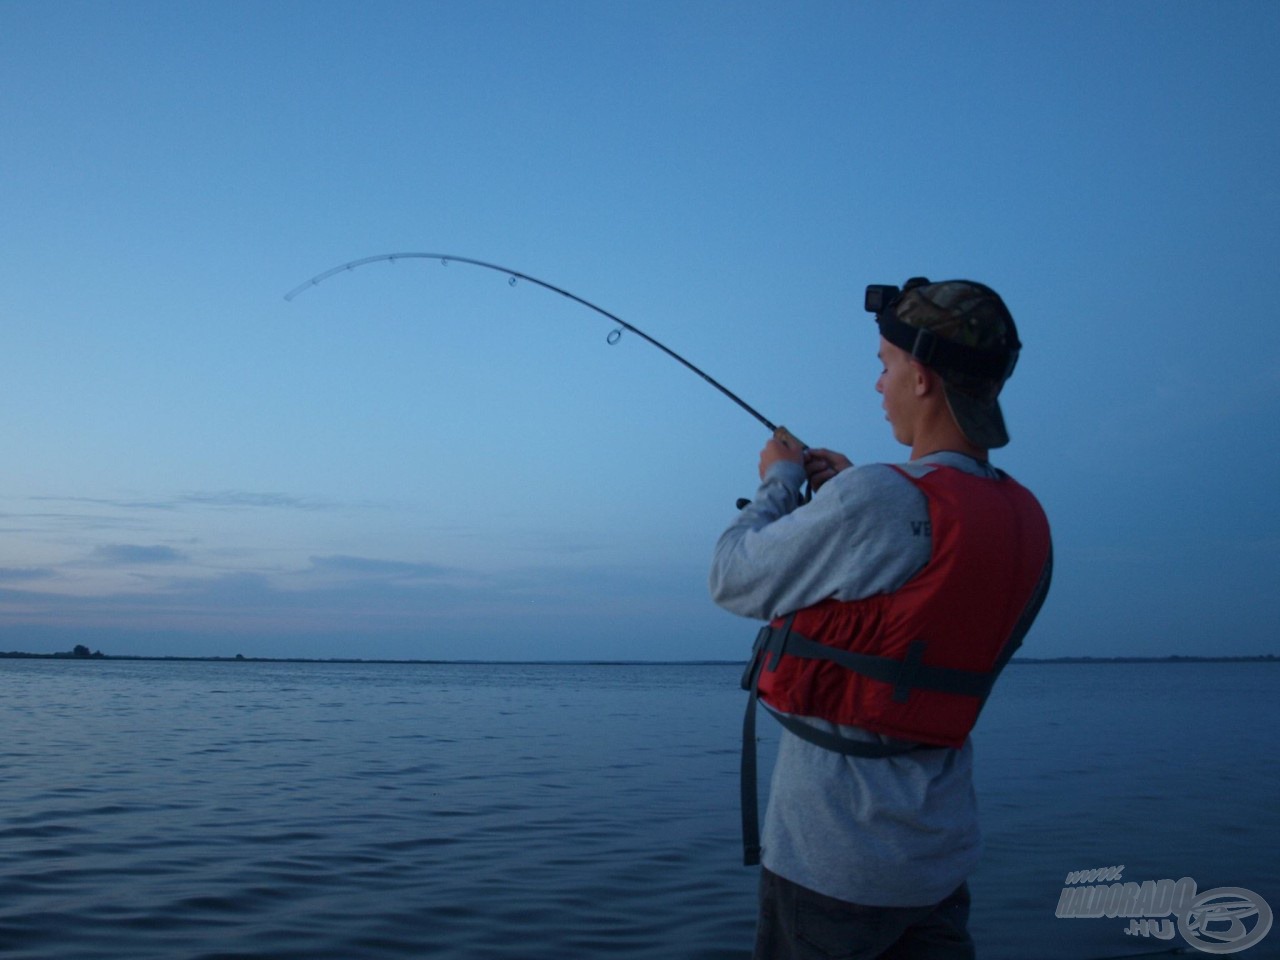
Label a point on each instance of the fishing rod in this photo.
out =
(514, 275)
(782, 434)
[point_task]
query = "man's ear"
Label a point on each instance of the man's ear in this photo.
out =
(926, 381)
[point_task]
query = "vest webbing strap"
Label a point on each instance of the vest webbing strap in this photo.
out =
(846, 745)
(1029, 614)
(749, 800)
(904, 675)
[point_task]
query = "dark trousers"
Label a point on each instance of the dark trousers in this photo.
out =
(800, 924)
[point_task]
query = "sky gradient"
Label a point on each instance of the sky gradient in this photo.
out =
(414, 460)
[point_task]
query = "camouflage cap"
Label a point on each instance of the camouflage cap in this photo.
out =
(971, 342)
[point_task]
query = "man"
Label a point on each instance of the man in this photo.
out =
(896, 594)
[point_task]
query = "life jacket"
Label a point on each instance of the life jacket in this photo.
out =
(925, 655)
(916, 664)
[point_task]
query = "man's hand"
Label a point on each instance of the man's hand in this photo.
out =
(781, 446)
(821, 465)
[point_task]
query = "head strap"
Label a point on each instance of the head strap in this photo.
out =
(946, 355)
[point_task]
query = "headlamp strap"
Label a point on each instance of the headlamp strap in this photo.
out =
(946, 355)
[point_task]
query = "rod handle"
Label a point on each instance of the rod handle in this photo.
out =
(789, 439)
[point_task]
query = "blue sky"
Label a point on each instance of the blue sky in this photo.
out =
(422, 461)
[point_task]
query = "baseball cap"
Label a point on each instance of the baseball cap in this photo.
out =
(963, 331)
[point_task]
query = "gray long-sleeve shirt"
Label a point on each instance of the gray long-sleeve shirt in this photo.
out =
(895, 831)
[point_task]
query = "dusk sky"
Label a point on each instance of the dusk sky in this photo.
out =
(421, 461)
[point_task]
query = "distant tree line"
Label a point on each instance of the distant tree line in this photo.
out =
(79, 651)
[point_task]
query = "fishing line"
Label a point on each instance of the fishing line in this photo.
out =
(515, 275)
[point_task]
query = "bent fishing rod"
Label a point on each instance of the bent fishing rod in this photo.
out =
(445, 259)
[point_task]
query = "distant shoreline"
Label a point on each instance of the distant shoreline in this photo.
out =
(1028, 661)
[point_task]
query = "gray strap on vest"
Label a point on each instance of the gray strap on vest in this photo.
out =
(1029, 614)
(903, 675)
(768, 641)
(844, 745)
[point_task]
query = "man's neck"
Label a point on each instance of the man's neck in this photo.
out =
(946, 438)
(970, 451)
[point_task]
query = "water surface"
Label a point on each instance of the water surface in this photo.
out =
(313, 810)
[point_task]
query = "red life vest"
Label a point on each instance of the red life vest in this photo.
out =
(916, 664)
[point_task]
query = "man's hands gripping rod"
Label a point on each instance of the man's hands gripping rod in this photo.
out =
(820, 464)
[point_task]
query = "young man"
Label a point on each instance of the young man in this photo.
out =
(895, 596)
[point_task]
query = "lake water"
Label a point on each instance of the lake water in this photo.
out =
(183, 810)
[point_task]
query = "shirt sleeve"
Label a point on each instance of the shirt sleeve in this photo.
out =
(866, 531)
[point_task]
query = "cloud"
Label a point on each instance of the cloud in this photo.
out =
(216, 499)
(245, 498)
(128, 553)
(371, 567)
(118, 503)
(17, 574)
